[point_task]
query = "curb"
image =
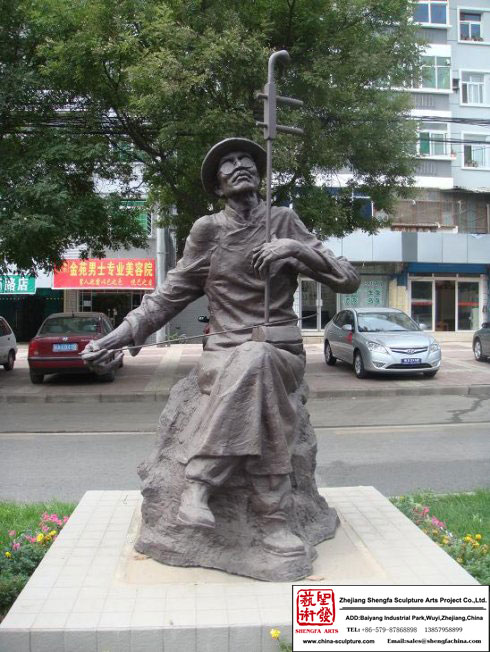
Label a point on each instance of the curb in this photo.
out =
(150, 397)
(136, 397)
(448, 390)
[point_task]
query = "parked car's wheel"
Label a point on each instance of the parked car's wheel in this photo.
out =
(330, 359)
(477, 350)
(36, 379)
(359, 369)
(9, 365)
(108, 378)
(430, 374)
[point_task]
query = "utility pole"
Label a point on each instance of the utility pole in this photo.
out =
(271, 99)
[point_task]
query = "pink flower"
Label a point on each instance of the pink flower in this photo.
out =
(12, 533)
(44, 528)
(15, 546)
(438, 523)
(52, 518)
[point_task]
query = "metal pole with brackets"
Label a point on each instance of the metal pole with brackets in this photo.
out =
(271, 100)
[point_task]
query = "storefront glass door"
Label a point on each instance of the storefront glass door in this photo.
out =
(468, 305)
(422, 303)
(115, 305)
(317, 302)
(308, 304)
(445, 305)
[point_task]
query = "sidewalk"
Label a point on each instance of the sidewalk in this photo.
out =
(150, 376)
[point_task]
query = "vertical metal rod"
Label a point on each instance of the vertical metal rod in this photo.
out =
(161, 258)
(267, 289)
(270, 134)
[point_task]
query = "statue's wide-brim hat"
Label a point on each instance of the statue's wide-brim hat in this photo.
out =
(209, 168)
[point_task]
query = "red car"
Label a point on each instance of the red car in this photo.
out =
(60, 339)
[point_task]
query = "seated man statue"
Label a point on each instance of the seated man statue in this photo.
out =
(247, 376)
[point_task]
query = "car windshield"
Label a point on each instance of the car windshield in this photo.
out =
(377, 322)
(59, 325)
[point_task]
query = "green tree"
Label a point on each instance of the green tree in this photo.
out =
(50, 166)
(175, 76)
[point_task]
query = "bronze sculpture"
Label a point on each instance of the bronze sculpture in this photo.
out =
(248, 388)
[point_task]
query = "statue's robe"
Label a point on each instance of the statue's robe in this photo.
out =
(246, 410)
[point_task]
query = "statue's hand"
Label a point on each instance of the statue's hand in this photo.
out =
(268, 252)
(99, 359)
(99, 355)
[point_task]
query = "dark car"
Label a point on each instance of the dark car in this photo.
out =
(59, 341)
(481, 342)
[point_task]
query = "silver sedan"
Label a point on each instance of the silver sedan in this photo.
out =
(380, 340)
(481, 342)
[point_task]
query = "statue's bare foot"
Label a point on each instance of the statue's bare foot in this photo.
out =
(194, 510)
(281, 541)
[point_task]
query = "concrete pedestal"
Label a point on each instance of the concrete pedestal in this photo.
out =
(93, 592)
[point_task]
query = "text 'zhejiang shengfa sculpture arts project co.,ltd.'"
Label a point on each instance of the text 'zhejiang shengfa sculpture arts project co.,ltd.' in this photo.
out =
(230, 484)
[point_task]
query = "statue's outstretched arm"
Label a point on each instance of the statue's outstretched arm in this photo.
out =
(183, 285)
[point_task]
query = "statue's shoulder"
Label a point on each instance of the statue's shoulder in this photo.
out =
(205, 228)
(284, 217)
(284, 212)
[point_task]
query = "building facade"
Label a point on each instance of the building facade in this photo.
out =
(434, 260)
(26, 301)
(113, 285)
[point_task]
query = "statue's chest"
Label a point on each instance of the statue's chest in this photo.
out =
(232, 258)
(233, 253)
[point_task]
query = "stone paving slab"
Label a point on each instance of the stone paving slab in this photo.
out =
(92, 592)
(151, 374)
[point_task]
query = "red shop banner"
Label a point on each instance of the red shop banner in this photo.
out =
(106, 274)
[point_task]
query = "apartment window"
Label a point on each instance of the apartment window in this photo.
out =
(431, 13)
(432, 140)
(470, 26)
(476, 150)
(435, 73)
(475, 87)
(144, 216)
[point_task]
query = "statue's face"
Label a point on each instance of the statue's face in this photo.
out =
(237, 173)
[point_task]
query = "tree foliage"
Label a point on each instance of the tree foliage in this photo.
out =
(172, 77)
(50, 174)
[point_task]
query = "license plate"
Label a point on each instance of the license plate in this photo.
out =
(411, 360)
(57, 348)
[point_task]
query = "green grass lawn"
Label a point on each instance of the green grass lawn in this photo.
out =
(465, 513)
(461, 526)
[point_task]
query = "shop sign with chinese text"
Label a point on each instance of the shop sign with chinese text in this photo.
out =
(17, 284)
(372, 293)
(106, 274)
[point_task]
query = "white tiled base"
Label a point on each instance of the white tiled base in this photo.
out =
(93, 593)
